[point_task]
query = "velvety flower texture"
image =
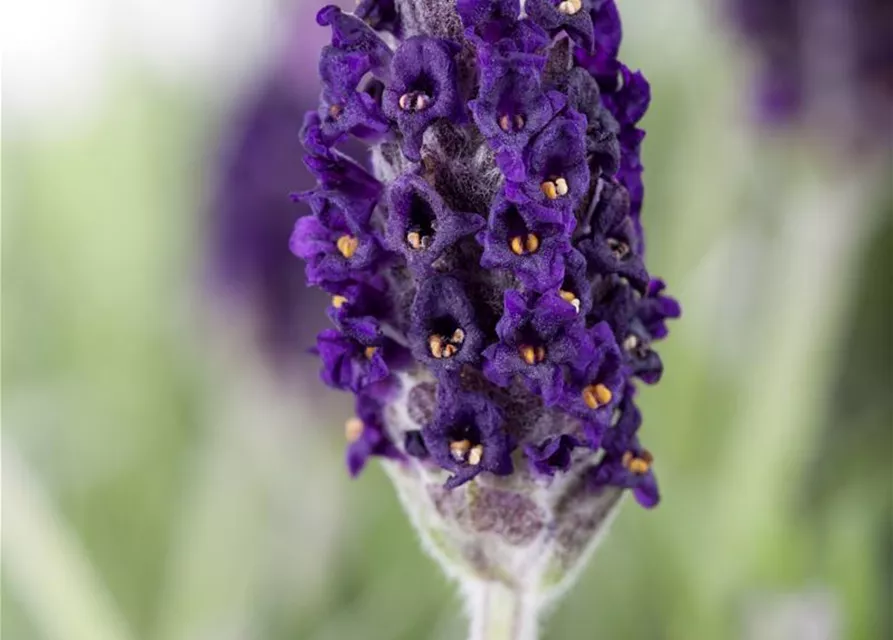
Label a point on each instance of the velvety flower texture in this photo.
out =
(488, 281)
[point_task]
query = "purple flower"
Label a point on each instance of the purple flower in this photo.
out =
(336, 242)
(444, 332)
(656, 308)
(366, 436)
(487, 273)
(637, 321)
(248, 216)
(358, 307)
(351, 35)
(570, 16)
(336, 172)
(576, 287)
(551, 456)
(467, 437)
(421, 226)
(557, 174)
(538, 336)
(626, 463)
(356, 51)
(602, 61)
(528, 240)
(351, 364)
(602, 129)
(630, 102)
(422, 89)
(591, 393)
(611, 244)
(495, 25)
(512, 107)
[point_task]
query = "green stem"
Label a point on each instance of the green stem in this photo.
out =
(501, 613)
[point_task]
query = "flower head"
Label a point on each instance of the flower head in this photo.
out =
(487, 272)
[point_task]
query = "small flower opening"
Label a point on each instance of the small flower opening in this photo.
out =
(619, 249)
(421, 223)
(532, 355)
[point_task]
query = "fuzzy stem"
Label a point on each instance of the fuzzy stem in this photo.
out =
(500, 613)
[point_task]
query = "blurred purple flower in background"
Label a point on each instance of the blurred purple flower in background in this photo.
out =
(831, 60)
(490, 263)
(249, 213)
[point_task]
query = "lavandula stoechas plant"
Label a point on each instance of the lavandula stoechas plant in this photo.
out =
(493, 312)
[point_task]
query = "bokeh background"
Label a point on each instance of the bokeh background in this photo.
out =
(172, 469)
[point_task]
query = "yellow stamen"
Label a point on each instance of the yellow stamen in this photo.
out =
(522, 245)
(414, 240)
(528, 354)
(459, 449)
(435, 344)
(570, 298)
(570, 7)
(639, 465)
(347, 245)
(449, 351)
(519, 122)
(505, 123)
(517, 245)
(548, 188)
(476, 454)
(353, 429)
(335, 111)
(338, 301)
(596, 395)
(370, 351)
(561, 186)
(458, 337)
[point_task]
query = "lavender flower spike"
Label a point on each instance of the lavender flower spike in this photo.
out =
(493, 308)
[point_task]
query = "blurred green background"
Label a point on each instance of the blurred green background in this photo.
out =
(162, 481)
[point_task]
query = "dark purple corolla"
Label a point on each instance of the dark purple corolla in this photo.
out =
(496, 238)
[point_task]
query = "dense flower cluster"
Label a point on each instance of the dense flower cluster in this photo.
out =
(488, 283)
(836, 52)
